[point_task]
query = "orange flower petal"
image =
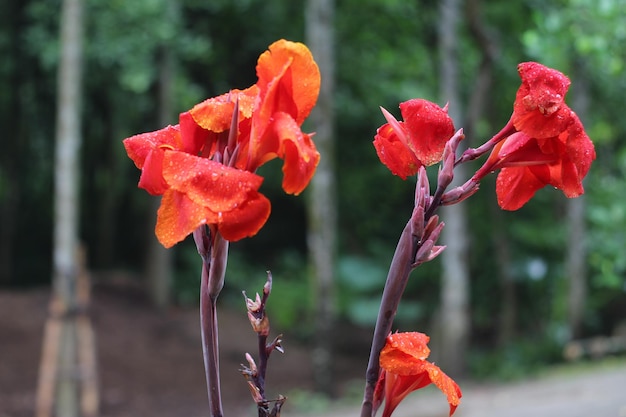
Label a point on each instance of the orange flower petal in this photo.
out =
(215, 114)
(208, 183)
(445, 384)
(298, 151)
(289, 82)
(404, 353)
(245, 220)
(178, 216)
(404, 370)
(289, 75)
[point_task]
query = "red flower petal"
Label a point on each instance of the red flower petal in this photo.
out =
(394, 153)
(564, 176)
(206, 192)
(151, 178)
(397, 387)
(516, 185)
(561, 161)
(194, 137)
(245, 220)
(138, 147)
(208, 183)
(429, 128)
(146, 150)
(519, 149)
(539, 109)
(545, 87)
(580, 149)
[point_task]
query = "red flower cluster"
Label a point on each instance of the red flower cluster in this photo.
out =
(544, 143)
(404, 369)
(204, 166)
(420, 140)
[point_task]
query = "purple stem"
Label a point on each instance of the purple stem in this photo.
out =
(397, 278)
(262, 369)
(214, 256)
(474, 153)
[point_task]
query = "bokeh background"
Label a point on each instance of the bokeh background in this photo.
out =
(147, 60)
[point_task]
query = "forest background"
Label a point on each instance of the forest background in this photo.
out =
(533, 280)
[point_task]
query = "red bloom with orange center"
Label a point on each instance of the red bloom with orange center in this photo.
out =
(417, 141)
(404, 369)
(547, 144)
(204, 166)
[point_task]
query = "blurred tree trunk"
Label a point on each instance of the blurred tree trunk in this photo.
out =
(159, 259)
(66, 200)
(455, 322)
(322, 200)
(576, 257)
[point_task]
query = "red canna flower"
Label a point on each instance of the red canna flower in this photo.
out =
(404, 369)
(271, 113)
(417, 141)
(204, 166)
(539, 109)
(545, 142)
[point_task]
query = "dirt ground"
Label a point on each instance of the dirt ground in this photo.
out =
(150, 364)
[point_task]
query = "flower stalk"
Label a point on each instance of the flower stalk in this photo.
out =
(542, 144)
(397, 278)
(214, 253)
(255, 375)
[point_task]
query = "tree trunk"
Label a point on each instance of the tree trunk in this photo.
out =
(322, 202)
(576, 256)
(68, 141)
(455, 272)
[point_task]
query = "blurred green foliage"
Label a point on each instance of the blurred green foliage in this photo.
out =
(386, 52)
